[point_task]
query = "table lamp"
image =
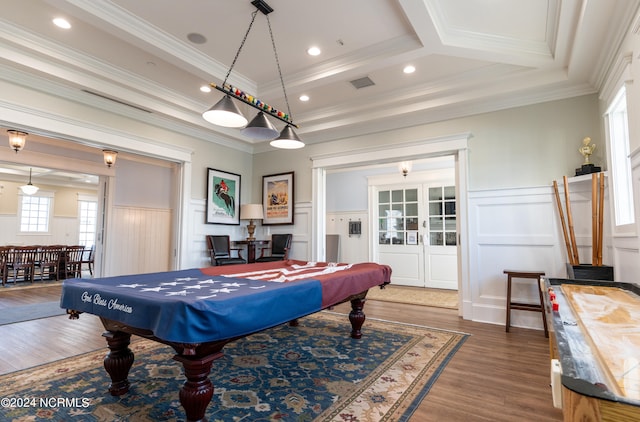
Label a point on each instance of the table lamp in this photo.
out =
(251, 212)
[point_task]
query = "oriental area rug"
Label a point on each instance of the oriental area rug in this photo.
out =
(312, 372)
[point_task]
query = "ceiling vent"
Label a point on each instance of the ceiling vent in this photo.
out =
(116, 101)
(362, 82)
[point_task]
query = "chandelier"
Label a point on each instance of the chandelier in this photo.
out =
(226, 113)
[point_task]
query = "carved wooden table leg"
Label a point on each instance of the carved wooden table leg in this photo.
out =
(356, 316)
(197, 391)
(118, 361)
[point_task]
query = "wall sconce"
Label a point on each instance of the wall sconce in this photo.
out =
(251, 212)
(405, 168)
(109, 157)
(17, 139)
(29, 188)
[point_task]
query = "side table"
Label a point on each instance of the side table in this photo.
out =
(251, 247)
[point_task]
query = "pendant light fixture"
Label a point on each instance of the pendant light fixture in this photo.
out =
(260, 128)
(405, 167)
(17, 139)
(225, 112)
(109, 157)
(29, 188)
(287, 139)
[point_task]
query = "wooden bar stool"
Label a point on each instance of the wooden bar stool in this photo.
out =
(525, 306)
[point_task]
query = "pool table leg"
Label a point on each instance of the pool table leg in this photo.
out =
(118, 361)
(197, 391)
(356, 316)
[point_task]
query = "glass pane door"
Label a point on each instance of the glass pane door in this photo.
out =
(442, 216)
(398, 217)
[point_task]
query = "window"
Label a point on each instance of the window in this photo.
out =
(88, 214)
(34, 214)
(620, 161)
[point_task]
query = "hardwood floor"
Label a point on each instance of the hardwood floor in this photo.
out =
(495, 376)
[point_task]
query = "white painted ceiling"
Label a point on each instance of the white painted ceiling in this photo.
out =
(471, 56)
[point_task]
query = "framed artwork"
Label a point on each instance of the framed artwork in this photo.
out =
(277, 199)
(223, 197)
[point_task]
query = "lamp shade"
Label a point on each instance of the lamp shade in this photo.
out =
(287, 139)
(260, 128)
(29, 189)
(225, 113)
(251, 212)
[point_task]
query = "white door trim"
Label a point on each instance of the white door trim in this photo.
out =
(455, 145)
(86, 132)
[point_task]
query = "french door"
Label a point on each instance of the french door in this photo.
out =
(417, 233)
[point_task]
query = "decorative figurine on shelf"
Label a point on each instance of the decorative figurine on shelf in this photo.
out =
(586, 150)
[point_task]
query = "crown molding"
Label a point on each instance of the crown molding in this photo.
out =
(154, 38)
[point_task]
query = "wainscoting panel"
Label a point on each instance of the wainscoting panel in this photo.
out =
(140, 241)
(355, 247)
(515, 229)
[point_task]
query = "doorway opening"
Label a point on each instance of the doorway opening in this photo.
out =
(454, 146)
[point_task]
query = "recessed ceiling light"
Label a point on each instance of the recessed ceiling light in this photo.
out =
(62, 23)
(409, 69)
(205, 88)
(196, 38)
(313, 51)
(304, 98)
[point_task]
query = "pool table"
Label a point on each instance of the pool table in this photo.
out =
(198, 311)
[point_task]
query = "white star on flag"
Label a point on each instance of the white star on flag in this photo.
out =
(209, 281)
(186, 278)
(205, 297)
(225, 290)
(170, 283)
(153, 289)
(132, 286)
(233, 284)
(181, 293)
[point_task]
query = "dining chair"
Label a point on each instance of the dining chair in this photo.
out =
(73, 261)
(88, 257)
(22, 260)
(279, 248)
(220, 251)
(4, 256)
(49, 261)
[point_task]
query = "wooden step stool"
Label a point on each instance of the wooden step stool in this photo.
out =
(525, 306)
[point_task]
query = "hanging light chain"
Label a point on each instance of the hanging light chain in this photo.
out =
(275, 53)
(253, 18)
